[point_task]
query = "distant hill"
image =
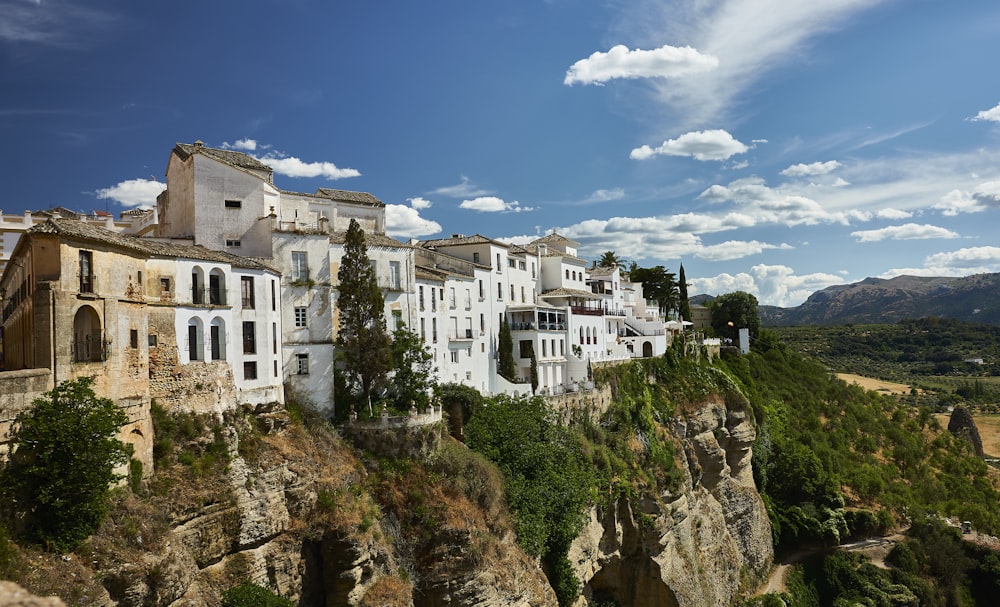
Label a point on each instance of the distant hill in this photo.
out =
(877, 301)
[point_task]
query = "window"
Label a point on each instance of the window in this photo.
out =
(276, 368)
(249, 337)
(302, 364)
(234, 204)
(233, 243)
(151, 341)
(434, 299)
(451, 298)
(499, 266)
(512, 263)
(532, 269)
(274, 338)
(195, 340)
(215, 291)
(250, 369)
(523, 300)
(434, 330)
(482, 323)
(482, 295)
(520, 265)
(300, 317)
(499, 291)
(475, 257)
(394, 282)
(246, 292)
(512, 297)
(274, 298)
(217, 340)
(420, 290)
(423, 330)
(567, 274)
(525, 348)
(87, 280)
(397, 319)
(300, 266)
(454, 356)
(133, 338)
(545, 351)
(468, 299)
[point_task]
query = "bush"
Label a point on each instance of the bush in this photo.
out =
(61, 471)
(249, 594)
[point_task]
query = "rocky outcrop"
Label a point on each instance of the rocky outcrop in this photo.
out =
(12, 595)
(703, 544)
(963, 426)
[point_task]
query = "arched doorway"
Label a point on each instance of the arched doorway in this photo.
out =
(647, 349)
(88, 338)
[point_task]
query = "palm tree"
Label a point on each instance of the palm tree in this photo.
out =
(609, 259)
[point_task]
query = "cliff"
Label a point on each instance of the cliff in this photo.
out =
(704, 544)
(294, 507)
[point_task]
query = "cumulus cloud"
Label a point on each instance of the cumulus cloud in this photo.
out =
(406, 222)
(133, 192)
(621, 62)
(419, 203)
(291, 166)
(736, 249)
(774, 285)
(992, 114)
(492, 204)
(463, 189)
(985, 196)
(716, 144)
(909, 231)
(963, 262)
(245, 145)
(770, 205)
(893, 214)
(815, 168)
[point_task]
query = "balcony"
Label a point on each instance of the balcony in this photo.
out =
(88, 283)
(522, 326)
(584, 311)
(462, 335)
(212, 296)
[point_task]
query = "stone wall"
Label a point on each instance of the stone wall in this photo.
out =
(17, 391)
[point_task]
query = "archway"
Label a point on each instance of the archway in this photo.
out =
(88, 338)
(196, 340)
(647, 349)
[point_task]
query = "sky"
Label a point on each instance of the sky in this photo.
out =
(771, 146)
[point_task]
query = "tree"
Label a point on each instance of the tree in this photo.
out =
(60, 474)
(249, 594)
(534, 372)
(413, 370)
(363, 345)
(657, 284)
(609, 259)
(738, 308)
(505, 352)
(682, 286)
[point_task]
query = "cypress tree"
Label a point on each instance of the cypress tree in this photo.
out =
(505, 364)
(682, 285)
(363, 346)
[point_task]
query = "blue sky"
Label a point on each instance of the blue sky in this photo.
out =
(776, 147)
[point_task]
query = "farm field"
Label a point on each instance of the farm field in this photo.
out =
(882, 387)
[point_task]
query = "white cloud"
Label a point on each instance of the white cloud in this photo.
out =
(992, 114)
(248, 145)
(621, 62)
(294, 167)
(716, 144)
(606, 195)
(404, 221)
(816, 168)
(909, 231)
(750, 38)
(893, 214)
(133, 192)
(419, 203)
(775, 285)
(463, 189)
(770, 205)
(985, 196)
(736, 249)
(963, 262)
(740, 165)
(492, 204)
(62, 25)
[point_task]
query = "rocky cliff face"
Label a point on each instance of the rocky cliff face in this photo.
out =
(701, 545)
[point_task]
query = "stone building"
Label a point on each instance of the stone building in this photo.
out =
(196, 329)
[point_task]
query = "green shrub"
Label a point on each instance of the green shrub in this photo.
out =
(249, 594)
(60, 475)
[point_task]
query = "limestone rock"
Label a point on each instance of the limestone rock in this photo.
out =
(12, 595)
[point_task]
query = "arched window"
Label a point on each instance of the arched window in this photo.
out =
(581, 336)
(197, 285)
(196, 340)
(88, 338)
(217, 339)
(217, 288)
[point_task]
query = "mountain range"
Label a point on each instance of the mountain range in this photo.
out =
(973, 299)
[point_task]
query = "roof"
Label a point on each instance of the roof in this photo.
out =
(424, 273)
(600, 271)
(78, 230)
(231, 157)
(372, 239)
(555, 237)
(349, 196)
(461, 239)
(563, 292)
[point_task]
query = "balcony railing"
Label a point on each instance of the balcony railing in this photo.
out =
(90, 348)
(88, 283)
(462, 335)
(584, 311)
(213, 296)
